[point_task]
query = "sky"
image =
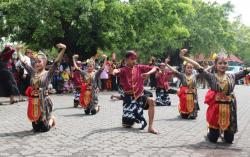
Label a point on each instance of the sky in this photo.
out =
(241, 7)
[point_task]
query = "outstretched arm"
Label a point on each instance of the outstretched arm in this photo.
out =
(75, 57)
(242, 74)
(170, 67)
(209, 68)
(57, 60)
(147, 74)
(189, 60)
(115, 71)
(82, 72)
(60, 55)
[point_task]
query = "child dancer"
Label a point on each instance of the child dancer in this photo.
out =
(135, 98)
(77, 83)
(40, 104)
(162, 86)
(89, 89)
(222, 110)
(188, 106)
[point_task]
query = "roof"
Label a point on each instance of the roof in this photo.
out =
(233, 58)
(199, 57)
(202, 57)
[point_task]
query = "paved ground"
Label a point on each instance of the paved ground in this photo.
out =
(102, 135)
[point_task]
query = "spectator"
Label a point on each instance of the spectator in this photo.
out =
(25, 78)
(152, 76)
(104, 77)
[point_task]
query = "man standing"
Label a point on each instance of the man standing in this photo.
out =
(25, 80)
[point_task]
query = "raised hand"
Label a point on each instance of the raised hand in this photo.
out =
(61, 53)
(104, 56)
(167, 60)
(183, 52)
(19, 47)
(61, 46)
(76, 56)
(189, 60)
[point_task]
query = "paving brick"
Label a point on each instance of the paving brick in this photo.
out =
(102, 135)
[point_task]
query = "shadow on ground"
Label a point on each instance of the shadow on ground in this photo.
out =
(18, 134)
(115, 129)
(178, 118)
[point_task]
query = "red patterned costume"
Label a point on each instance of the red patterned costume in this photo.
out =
(222, 106)
(131, 79)
(188, 106)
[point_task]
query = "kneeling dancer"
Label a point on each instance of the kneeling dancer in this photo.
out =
(222, 111)
(135, 98)
(89, 89)
(40, 104)
(188, 105)
(162, 87)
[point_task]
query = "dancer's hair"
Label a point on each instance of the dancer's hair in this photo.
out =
(130, 53)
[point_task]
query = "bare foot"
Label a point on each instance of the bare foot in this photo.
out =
(97, 108)
(153, 131)
(52, 121)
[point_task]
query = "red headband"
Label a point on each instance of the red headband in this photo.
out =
(162, 64)
(131, 55)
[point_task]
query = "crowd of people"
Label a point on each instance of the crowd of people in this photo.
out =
(34, 76)
(65, 78)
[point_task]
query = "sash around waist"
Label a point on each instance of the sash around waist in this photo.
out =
(223, 99)
(35, 93)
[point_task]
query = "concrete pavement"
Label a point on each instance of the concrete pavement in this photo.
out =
(77, 134)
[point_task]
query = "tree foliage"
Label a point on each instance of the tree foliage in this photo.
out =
(152, 27)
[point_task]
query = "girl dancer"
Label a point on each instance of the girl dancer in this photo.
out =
(89, 89)
(40, 105)
(188, 106)
(222, 110)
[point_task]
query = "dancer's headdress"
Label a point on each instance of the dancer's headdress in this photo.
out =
(90, 62)
(41, 55)
(222, 56)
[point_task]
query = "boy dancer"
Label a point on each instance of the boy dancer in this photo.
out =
(132, 78)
